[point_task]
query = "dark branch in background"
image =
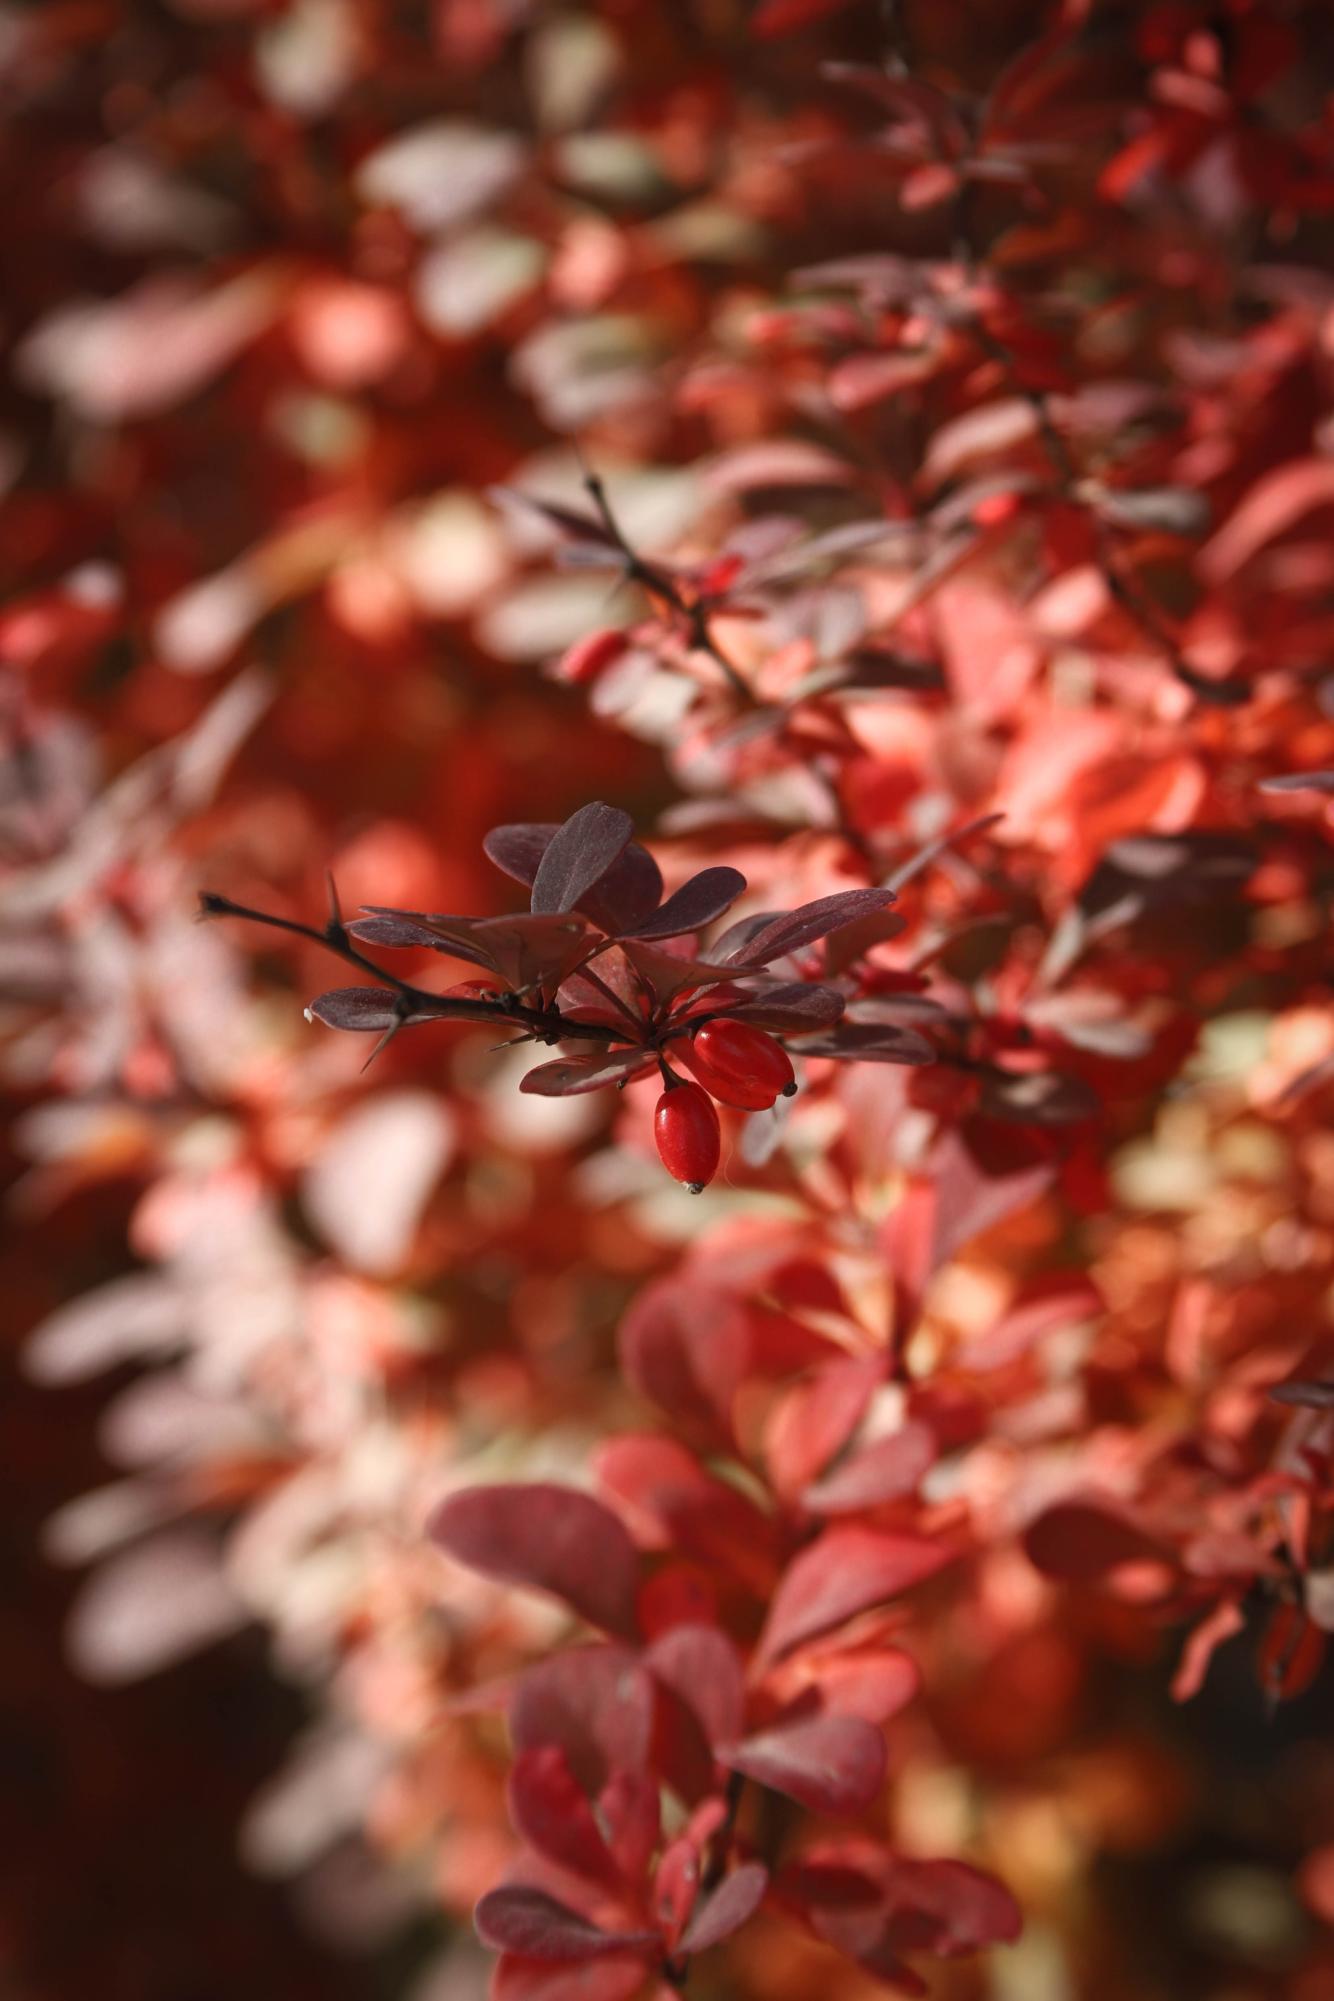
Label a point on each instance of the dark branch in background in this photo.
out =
(660, 584)
(547, 1024)
(1123, 592)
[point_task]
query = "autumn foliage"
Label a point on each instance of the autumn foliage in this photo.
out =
(758, 579)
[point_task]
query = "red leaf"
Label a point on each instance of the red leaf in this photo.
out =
(726, 1909)
(596, 1702)
(547, 1538)
(873, 1683)
(816, 1419)
(532, 1923)
(949, 1908)
(551, 1812)
(844, 1572)
(688, 1355)
(830, 1764)
(701, 1667)
(883, 1471)
(674, 1504)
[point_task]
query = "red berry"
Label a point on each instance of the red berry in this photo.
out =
(739, 1065)
(685, 1126)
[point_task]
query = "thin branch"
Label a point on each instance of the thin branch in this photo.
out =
(660, 583)
(546, 1023)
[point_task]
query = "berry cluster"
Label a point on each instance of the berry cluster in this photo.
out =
(598, 959)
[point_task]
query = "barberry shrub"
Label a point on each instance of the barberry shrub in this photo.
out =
(750, 1413)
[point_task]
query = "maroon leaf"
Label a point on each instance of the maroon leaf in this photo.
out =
(949, 1908)
(673, 1504)
(687, 1359)
(547, 1538)
(569, 1076)
(870, 1042)
(803, 926)
(718, 1915)
(532, 1923)
(883, 1471)
(364, 1009)
(405, 928)
(790, 1008)
(668, 974)
(830, 1764)
(844, 1572)
(696, 903)
(701, 1667)
(578, 855)
(627, 892)
(519, 847)
(1079, 1541)
(550, 1810)
(596, 1702)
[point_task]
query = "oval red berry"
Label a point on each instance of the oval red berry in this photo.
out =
(685, 1126)
(739, 1065)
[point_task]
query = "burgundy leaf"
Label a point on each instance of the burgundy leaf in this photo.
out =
(547, 1538)
(883, 1471)
(790, 1009)
(627, 892)
(869, 1042)
(400, 927)
(811, 921)
(596, 1702)
(688, 1360)
(701, 1667)
(550, 1810)
(530, 1922)
(728, 944)
(844, 1572)
(362, 1008)
(726, 1909)
(949, 1908)
(829, 1764)
(673, 1504)
(569, 1076)
(696, 903)
(1079, 1541)
(519, 847)
(578, 855)
(668, 974)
